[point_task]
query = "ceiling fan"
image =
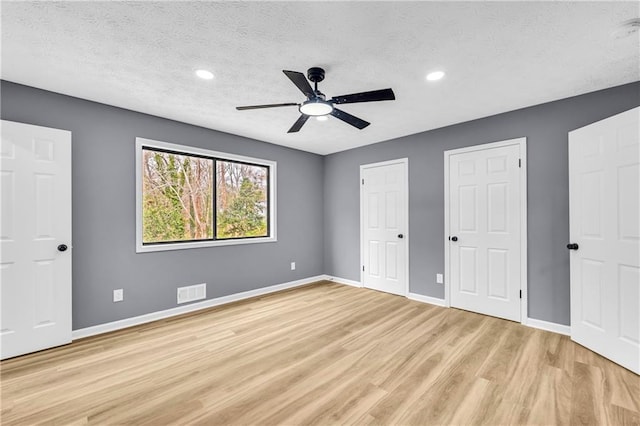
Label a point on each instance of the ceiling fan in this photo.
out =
(317, 104)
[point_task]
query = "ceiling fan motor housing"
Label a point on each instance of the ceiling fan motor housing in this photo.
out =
(315, 74)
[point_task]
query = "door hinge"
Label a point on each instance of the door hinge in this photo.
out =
(519, 162)
(363, 181)
(362, 268)
(520, 294)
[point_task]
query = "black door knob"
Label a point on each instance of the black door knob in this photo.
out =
(62, 247)
(400, 236)
(572, 246)
(454, 238)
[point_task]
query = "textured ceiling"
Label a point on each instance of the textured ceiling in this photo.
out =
(498, 56)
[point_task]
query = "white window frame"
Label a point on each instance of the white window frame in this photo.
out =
(153, 144)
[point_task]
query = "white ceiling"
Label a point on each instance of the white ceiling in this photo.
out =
(498, 56)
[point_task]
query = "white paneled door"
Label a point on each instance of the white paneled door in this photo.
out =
(604, 185)
(35, 238)
(383, 204)
(484, 228)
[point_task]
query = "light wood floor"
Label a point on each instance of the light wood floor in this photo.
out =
(321, 354)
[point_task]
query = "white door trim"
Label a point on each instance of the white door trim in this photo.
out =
(404, 161)
(522, 143)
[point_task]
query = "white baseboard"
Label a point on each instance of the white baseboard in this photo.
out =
(343, 281)
(549, 326)
(426, 299)
(154, 316)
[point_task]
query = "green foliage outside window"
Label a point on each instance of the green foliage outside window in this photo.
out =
(178, 198)
(241, 200)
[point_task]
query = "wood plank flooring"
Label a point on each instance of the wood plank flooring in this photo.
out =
(316, 355)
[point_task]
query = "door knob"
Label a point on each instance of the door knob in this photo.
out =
(454, 239)
(62, 247)
(400, 236)
(572, 246)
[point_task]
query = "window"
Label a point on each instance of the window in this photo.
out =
(190, 197)
(241, 200)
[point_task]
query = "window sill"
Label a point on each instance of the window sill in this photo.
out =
(201, 244)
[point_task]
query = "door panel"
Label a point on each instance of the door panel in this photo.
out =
(604, 186)
(592, 283)
(498, 210)
(628, 212)
(468, 208)
(384, 210)
(484, 199)
(629, 296)
(468, 270)
(35, 290)
(498, 273)
(391, 256)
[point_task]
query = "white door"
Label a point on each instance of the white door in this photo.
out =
(35, 227)
(485, 222)
(383, 203)
(604, 185)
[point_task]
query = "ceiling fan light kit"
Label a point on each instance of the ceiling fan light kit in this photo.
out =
(317, 104)
(316, 107)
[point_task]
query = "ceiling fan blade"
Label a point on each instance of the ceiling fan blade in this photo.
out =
(349, 119)
(242, 108)
(300, 81)
(299, 123)
(374, 95)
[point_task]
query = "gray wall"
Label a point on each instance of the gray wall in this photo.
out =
(103, 179)
(311, 190)
(545, 126)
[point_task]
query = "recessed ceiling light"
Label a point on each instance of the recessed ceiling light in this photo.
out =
(204, 74)
(322, 118)
(436, 75)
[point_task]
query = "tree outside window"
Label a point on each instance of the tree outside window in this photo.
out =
(178, 198)
(241, 200)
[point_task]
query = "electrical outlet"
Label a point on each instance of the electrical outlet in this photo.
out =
(118, 295)
(439, 279)
(293, 266)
